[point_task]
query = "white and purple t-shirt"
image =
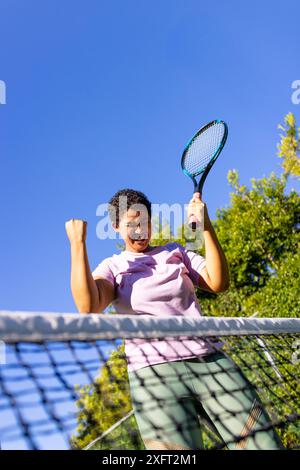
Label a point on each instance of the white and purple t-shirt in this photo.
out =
(158, 282)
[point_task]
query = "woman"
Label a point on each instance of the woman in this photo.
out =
(175, 383)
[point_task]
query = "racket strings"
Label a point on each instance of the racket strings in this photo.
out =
(203, 149)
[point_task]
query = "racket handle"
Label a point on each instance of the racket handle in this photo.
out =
(193, 223)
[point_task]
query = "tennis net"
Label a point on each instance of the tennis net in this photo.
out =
(67, 381)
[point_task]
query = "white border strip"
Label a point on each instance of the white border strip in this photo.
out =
(32, 326)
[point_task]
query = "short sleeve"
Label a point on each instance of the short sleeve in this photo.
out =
(194, 263)
(104, 270)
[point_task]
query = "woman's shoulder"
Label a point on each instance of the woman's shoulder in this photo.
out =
(110, 261)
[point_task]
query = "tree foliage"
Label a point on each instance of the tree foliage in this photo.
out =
(259, 233)
(289, 146)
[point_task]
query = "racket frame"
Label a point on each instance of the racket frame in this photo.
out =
(205, 170)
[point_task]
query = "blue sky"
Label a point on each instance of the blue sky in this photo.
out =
(104, 95)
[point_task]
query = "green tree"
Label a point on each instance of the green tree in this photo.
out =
(289, 146)
(259, 233)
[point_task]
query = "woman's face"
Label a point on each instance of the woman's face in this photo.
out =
(135, 229)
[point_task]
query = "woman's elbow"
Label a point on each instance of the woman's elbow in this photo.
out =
(221, 286)
(84, 310)
(224, 287)
(87, 308)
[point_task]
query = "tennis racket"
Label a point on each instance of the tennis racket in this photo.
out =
(200, 154)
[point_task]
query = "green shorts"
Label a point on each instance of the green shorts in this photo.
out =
(172, 402)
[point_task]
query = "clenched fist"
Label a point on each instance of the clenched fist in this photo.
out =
(196, 209)
(76, 230)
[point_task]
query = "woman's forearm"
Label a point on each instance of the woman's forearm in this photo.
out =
(216, 263)
(83, 286)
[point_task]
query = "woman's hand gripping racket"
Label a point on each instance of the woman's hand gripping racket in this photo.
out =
(201, 153)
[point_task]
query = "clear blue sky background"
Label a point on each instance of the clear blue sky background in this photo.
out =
(103, 95)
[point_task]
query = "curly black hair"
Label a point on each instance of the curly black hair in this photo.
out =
(116, 207)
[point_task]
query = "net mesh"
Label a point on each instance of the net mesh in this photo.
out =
(203, 149)
(65, 383)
